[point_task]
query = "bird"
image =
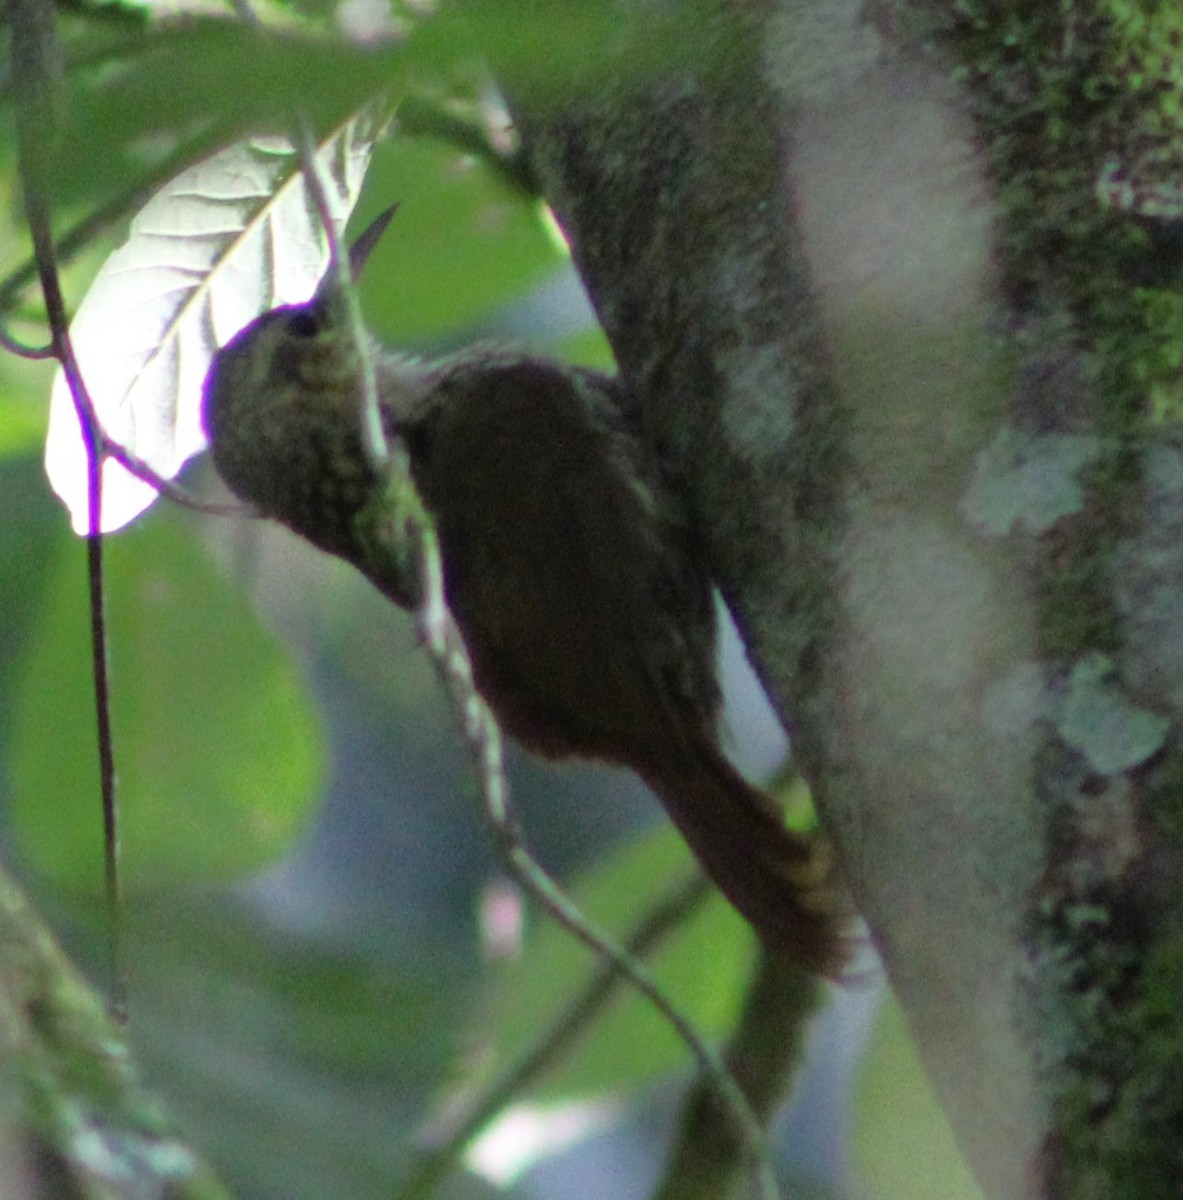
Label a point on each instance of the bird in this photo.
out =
(570, 566)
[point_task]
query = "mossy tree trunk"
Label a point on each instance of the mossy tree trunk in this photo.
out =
(76, 1121)
(897, 289)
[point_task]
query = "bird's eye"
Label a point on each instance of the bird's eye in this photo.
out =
(302, 324)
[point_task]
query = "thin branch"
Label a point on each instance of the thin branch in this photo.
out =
(395, 513)
(19, 348)
(764, 1054)
(663, 918)
(381, 456)
(394, 517)
(34, 58)
(484, 741)
(446, 647)
(167, 487)
(419, 117)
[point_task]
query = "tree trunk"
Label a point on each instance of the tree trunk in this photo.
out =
(894, 287)
(76, 1122)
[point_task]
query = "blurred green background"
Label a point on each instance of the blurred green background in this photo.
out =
(305, 862)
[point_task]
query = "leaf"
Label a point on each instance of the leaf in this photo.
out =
(218, 749)
(304, 1069)
(22, 411)
(227, 239)
(132, 96)
(466, 243)
(903, 1145)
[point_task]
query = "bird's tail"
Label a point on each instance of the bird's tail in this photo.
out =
(782, 881)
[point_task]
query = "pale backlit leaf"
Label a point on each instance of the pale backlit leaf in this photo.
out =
(227, 239)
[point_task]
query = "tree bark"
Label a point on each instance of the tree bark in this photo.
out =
(895, 291)
(78, 1122)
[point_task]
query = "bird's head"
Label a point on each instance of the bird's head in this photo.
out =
(291, 369)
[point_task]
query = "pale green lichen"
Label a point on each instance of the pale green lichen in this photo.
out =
(1081, 113)
(1098, 720)
(1027, 481)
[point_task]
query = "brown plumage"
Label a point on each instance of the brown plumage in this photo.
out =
(568, 563)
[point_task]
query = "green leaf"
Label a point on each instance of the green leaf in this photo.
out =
(225, 240)
(218, 752)
(463, 243)
(546, 50)
(23, 385)
(704, 967)
(303, 1071)
(590, 348)
(903, 1146)
(159, 88)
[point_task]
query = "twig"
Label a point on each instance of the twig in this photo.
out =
(394, 517)
(763, 1055)
(377, 447)
(484, 741)
(15, 346)
(397, 512)
(419, 117)
(34, 56)
(167, 487)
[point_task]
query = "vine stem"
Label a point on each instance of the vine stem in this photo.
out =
(382, 457)
(484, 740)
(396, 497)
(35, 54)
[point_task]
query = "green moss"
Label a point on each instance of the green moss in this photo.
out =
(1114, 1047)
(1074, 612)
(1082, 116)
(1166, 781)
(1081, 111)
(1122, 1103)
(1083, 108)
(1078, 111)
(1148, 52)
(1158, 356)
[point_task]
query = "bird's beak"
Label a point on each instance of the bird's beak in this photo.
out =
(330, 287)
(359, 252)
